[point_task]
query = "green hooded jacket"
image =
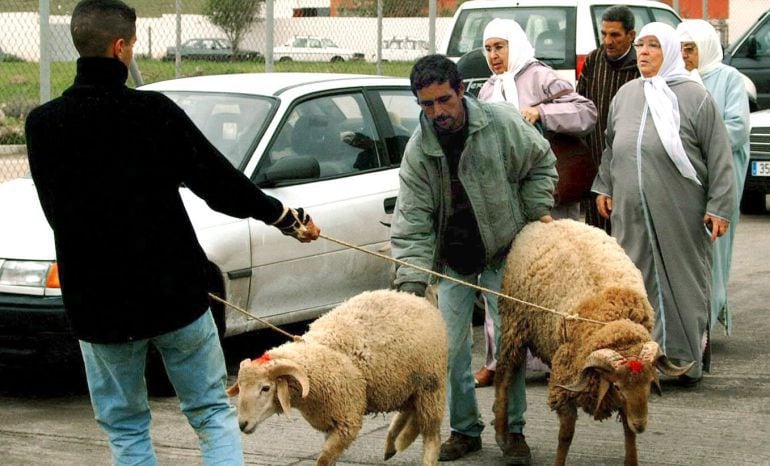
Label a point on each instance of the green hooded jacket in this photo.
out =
(507, 169)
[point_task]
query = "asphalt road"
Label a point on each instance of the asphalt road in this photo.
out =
(46, 419)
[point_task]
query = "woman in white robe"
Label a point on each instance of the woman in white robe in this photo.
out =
(666, 181)
(702, 54)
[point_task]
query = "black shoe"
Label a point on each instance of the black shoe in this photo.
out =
(516, 451)
(686, 381)
(458, 446)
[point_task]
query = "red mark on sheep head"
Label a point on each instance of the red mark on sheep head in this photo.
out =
(262, 359)
(636, 366)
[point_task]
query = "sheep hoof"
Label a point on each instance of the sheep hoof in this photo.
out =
(389, 455)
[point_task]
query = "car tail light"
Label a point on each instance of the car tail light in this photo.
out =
(581, 59)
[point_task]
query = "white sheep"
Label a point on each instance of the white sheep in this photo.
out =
(378, 352)
(603, 368)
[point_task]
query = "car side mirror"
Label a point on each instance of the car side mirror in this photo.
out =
(290, 169)
(751, 48)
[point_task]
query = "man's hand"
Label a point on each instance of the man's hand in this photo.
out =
(297, 224)
(546, 219)
(604, 205)
(717, 226)
(416, 288)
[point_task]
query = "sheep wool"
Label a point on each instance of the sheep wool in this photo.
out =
(378, 352)
(602, 367)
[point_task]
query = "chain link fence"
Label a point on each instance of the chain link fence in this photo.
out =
(177, 38)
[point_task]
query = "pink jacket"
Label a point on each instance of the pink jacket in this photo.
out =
(569, 114)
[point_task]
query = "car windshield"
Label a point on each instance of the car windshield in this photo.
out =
(233, 123)
(546, 29)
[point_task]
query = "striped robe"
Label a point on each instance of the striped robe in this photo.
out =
(599, 81)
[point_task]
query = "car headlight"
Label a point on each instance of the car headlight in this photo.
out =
(43, 274)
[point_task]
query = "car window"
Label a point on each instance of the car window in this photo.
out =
(300, 42)
(315, 43)
(329, 43)
(338, 131)
(231, 123)
(545, 27)
(642, 16)
(762, 36)
(404, 115)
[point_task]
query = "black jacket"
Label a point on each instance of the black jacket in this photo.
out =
(108, 162)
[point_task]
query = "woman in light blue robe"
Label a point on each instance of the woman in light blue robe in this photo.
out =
(702, 51)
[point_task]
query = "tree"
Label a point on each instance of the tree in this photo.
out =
(234, 17)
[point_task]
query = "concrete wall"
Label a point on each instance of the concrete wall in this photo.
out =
(743, 13)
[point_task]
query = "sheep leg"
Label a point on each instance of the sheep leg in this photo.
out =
(500, 407)
(630, 435)
(396, 427)
(337, 441)
(567, 418)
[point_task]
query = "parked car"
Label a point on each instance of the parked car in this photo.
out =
(403, 49)
(562, 32)
(214, 49)
(757, 185)
(750, 54)
(329, 143)
(311, 48)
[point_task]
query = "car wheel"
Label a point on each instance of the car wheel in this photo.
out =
(337, 59)
(158, 383)
(753, 202)
(284, 59)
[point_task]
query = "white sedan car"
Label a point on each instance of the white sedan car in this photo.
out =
(310, 48)
(329, 143)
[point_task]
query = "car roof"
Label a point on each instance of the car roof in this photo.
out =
(507, 3)
(271, 84)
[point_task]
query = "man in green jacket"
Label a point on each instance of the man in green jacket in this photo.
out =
(473, 174)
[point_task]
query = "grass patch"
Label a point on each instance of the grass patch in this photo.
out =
(20, 81)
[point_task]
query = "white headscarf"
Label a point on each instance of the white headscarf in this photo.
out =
(520, 52)
(662, 101)
(706, 39)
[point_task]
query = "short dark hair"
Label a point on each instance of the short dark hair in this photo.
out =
(434, 69)
(621, 14)
(97, 23)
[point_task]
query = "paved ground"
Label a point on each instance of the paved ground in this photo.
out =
(46, 420)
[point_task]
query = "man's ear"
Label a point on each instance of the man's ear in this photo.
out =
(117, 48)
(461, 90)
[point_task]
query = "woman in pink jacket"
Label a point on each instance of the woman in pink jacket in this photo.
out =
(521, 80)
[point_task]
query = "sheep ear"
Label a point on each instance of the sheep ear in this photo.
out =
(282, 390)
(656, 385)
(234, 389)
(604, 386)
(245, 362)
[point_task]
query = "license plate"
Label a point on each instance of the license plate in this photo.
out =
(760, 168)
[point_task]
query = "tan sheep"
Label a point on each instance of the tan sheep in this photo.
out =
(378, 352)
(603, 368)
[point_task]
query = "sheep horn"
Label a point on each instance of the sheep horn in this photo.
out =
(292, 369)
(652, 353)
(603, 359)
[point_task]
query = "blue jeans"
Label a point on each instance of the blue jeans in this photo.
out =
(455, 302)
(196, 367)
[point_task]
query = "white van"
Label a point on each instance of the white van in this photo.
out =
(563, 32)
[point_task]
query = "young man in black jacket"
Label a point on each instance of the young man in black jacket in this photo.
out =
(108, 162)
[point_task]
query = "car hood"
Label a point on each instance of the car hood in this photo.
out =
(25, 233)
(28, 235)
(760, 119)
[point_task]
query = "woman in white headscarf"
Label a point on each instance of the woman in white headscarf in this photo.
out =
(666, 179)
(521, 80)
(702, 54)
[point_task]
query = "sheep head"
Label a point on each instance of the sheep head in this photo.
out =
(263, 389)
(630, 377)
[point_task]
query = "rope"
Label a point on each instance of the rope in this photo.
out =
(469, 285)
(242, 311)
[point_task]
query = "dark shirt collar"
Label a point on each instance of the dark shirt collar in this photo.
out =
(101, 71)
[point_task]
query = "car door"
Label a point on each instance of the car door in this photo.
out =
(354, 185)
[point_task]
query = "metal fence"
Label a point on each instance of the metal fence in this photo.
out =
(177, 38)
